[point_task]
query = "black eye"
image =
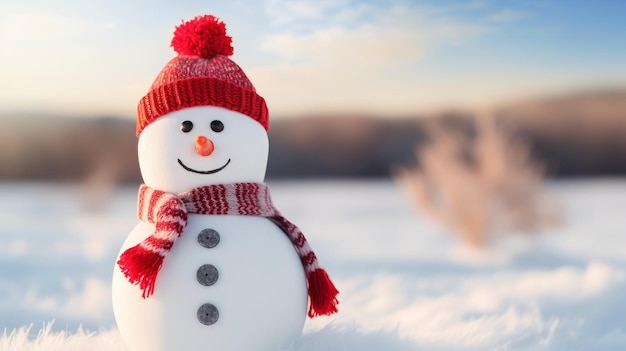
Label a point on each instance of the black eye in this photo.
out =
(186, 126)
(217, 126)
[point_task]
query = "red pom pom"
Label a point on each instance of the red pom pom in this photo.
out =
(203, 36)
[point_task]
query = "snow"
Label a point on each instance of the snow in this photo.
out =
(406, 284)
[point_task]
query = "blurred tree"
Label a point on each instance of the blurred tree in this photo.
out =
(479, 186)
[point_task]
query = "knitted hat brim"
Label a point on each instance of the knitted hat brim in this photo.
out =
(200, 91)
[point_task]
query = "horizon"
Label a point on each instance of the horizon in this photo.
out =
(423, 113)
(396, 58)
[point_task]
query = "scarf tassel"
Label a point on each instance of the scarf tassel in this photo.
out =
(322, 293)
(141, 266)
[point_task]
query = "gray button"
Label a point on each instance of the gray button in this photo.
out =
(209, 238)
(208, 314)
(207, 274)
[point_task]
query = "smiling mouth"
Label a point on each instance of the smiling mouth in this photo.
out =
(203, 172)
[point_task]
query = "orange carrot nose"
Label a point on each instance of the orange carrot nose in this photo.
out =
(204, 146)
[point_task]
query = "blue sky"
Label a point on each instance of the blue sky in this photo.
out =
(392, 57)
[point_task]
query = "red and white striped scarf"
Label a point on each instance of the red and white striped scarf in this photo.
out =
(141, 263)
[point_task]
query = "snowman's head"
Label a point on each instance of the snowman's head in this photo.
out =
(202, 121)
(202, 145)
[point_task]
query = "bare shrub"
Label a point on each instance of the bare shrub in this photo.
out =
(481, 186)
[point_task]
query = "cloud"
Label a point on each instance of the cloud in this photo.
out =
(394, 35)
(20, 27)
(350, 49)
(41, 52)
(283, 12)
(361, 59)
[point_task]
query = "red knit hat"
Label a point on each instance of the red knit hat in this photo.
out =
(201, 75)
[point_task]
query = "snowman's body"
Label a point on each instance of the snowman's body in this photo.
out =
(259, 292)
(251, 293)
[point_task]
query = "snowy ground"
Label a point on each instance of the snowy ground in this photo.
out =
(405, 283)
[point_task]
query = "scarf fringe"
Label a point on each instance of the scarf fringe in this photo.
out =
(141, 266)
(322, 293)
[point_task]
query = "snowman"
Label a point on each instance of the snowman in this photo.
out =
(212, 265)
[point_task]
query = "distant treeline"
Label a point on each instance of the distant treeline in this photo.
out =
(576, 135)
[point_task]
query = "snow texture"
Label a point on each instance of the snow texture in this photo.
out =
(406, 284)
(328, 338)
